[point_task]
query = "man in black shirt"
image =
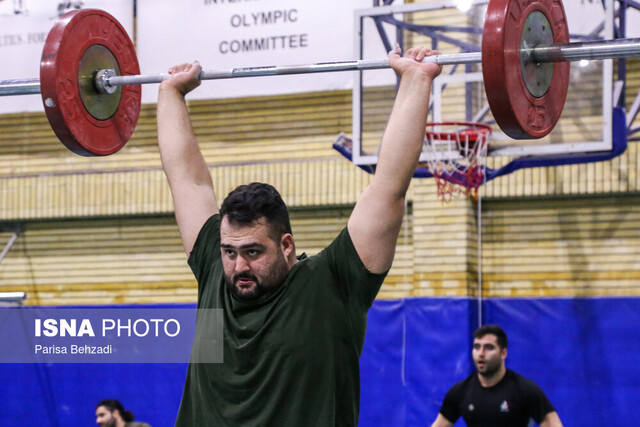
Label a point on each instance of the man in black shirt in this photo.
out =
(495, 396)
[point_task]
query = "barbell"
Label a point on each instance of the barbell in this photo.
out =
(90, 77)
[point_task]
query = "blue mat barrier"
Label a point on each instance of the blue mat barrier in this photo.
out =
(583, 352)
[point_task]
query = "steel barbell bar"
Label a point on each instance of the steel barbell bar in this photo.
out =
(106, 80)
(592, 50)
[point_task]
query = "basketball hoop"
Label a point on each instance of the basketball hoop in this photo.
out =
(457, 156)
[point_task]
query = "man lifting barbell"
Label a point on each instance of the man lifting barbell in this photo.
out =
(294, 326)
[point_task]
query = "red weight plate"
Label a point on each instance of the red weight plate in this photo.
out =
(518, 113)
(66, 43)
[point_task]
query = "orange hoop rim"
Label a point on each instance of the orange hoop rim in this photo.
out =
(472, 133)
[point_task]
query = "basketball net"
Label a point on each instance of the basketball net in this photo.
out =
(457, 157)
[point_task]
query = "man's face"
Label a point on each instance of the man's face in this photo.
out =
(104, 418)
(254, 264)
(487, 356)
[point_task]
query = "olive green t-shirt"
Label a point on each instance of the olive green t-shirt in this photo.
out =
(292, 360)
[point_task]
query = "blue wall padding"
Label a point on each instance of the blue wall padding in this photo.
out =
(583, 352)
(414, 349)
(61, 395)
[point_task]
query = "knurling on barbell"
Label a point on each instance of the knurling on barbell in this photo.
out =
(89, 73)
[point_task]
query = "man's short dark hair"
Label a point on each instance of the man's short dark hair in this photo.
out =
(112, 405)
(494, 330)
(250, 202)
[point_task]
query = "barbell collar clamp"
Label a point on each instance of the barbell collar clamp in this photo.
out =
(102, 82)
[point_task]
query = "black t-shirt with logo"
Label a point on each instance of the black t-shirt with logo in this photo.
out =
(510, 403)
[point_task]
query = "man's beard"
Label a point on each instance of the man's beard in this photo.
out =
(110, 423)
(490, 369)
(263, 288)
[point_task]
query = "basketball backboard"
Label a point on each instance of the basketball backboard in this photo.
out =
(585, 127)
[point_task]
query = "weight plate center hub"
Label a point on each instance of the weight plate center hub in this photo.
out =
(537, 76)
(100, 105)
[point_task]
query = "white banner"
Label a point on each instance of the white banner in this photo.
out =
(224, 34)
(583, 16)
(24, 26)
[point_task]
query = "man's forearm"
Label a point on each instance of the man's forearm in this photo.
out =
(404, 136)
(179, 150)
(194, 198)
(375, 221)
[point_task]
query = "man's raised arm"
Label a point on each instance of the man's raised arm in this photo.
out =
(375, 222)
(194, 198)
(551, 420)
(441, 421)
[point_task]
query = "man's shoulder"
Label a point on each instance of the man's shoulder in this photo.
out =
(136, 424)
(514, 376)
(339, 242)
(521, 381)
(208, 239)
